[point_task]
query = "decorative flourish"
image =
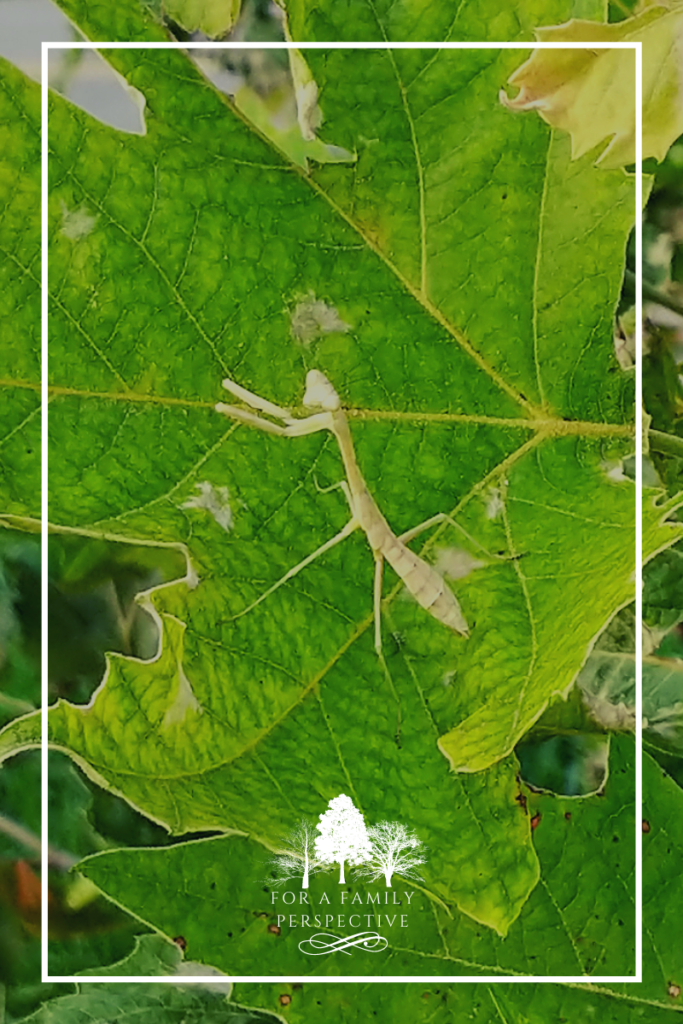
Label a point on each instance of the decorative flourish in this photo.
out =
(322, 942)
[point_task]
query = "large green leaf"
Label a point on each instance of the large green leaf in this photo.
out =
(656, 999)
(476, 359)
(579, 921)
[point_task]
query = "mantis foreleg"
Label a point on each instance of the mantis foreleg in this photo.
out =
(337, 539)
(295, 428)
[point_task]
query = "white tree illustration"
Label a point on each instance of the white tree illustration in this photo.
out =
(297, 858)
(395, 850)
(343, 835)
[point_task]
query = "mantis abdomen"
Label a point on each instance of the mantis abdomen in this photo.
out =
(426, 585)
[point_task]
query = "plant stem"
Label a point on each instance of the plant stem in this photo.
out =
(666, 444)
(56, 858)
(653, 294)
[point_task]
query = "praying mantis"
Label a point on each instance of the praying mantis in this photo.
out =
(425, 584)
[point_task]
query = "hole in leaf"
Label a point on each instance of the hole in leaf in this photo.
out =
(25, 24)
(92, 607)
(87, 80)
(261, 85)
(566, 765)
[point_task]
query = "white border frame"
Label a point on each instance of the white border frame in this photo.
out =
(637, 47)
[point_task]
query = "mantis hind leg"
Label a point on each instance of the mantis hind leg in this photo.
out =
(443, 517)
(379, 572)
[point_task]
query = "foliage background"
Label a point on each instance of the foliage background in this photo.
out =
(94, 608)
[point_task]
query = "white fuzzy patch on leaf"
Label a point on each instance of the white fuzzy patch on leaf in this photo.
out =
(76, 224)
(614, 471)
(312, 318)
(183, 703)
(494, 503)
(216, 501)
(456, 563)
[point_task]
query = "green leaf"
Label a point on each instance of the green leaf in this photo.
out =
(608, 679)
(479, 371)
(215, 893)
(213, 17)
(154, 955)
(313, 20)
(465, 744)
(479, 1003)
(21, 734)
(663, 591)
(19, 291)
(591, 93)
(654, 1000)
(162, 1003)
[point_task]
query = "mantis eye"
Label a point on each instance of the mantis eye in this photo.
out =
(319, 392)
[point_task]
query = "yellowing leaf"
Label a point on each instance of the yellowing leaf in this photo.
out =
(214, 17)
(590, 93)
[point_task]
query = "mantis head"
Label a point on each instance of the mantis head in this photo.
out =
(319, 392)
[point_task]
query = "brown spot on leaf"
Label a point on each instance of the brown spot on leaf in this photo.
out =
(567, 815)
(274, 929)
(673, 989)
(536, 820)
(285, 999)
(646, 825)
(521, 800)
(181, 942)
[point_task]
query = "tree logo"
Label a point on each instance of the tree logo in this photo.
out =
(396, 850)
(342, 837)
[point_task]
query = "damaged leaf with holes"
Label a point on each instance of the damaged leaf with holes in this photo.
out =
(500, 405)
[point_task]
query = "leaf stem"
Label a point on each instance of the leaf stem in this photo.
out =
(653, 294)
(20, 834)
(666, 444)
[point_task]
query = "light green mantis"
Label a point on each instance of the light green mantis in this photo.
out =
(423, 581)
